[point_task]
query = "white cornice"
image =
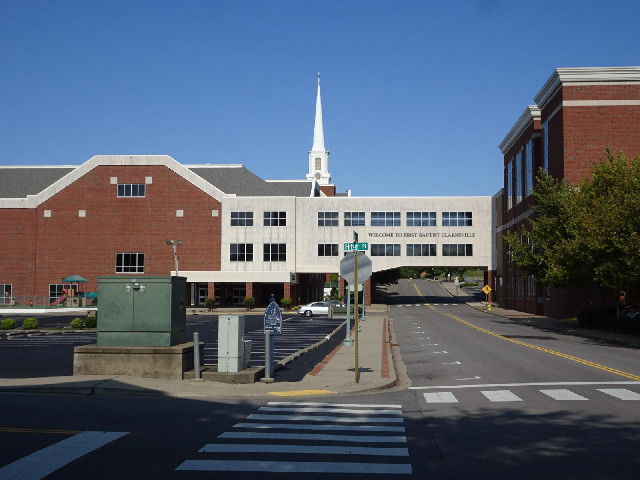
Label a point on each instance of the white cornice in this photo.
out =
(587, 75)
(530, 114)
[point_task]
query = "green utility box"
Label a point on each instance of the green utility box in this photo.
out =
(141, 311)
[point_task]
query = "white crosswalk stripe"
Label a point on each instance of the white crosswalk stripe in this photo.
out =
(364, 432)
(559, 394)
(621, 393)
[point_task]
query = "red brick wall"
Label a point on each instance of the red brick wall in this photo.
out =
(68, 244)
(17, 252)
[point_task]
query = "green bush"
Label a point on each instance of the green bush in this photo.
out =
(210, 303)
(77, 324)
(30, 323)
(8, 324)
(286, 303)
(249, 302)
(91, 322)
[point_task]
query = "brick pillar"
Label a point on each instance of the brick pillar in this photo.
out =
(211, 290)
(342, 288)
(491, 274)
(367, 287)
(249, 289)
(287, 289)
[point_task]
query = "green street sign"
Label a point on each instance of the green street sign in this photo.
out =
(356, 247)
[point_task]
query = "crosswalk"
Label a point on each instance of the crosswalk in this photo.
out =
(371, 437)
(505, 396)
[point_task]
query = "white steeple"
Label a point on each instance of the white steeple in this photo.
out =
(318, 156)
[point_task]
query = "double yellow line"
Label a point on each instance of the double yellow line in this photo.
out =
(535, 347)
(38, 430)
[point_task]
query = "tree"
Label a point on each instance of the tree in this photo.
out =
(584, 234)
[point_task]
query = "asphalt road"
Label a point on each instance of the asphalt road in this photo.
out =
(487, 399)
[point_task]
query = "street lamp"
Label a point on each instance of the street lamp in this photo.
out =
(172, 244)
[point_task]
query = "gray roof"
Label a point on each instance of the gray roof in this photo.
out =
(18, 182)
(240, 181)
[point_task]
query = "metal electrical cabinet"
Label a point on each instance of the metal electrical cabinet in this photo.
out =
(141, 311)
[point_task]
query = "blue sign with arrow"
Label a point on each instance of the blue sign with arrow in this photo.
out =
(273, 319)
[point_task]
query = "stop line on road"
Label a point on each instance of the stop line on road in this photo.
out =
(330, 429)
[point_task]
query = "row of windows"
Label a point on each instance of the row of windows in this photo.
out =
(272, 252)
(422, 250)
(131, 189)
(357, 219)
(277, 252)
(520, 175)
(270, 219)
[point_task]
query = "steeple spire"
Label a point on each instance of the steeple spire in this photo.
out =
(318, 131)
(318, 156)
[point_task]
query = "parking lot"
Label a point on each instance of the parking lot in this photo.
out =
(49, 351)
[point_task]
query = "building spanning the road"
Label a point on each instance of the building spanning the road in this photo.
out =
(578, 113)
(239, 235)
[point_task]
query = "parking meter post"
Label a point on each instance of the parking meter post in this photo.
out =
(268, 366)
(347, 340)
(196, 355)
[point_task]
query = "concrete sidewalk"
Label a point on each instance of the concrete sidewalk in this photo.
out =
(568, 326)
(334, 375)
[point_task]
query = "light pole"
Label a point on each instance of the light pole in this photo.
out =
(172, 244)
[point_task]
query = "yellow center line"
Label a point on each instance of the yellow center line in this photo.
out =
(546, 350)
(38, 430)
(423, 299)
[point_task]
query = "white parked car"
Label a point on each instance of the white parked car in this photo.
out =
(314, 308)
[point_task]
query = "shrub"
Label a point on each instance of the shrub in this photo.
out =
(286, 303)
(249, 302)
(77, 324)
(30, 323)
(210, 303)
(8, 324)
(91, 322)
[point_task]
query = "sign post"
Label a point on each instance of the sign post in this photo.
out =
(272, 326)
(486, 289)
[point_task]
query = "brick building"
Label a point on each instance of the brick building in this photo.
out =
(578, 113)
(240, 235)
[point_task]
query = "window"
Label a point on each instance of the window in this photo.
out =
(354, 219)
(242, 219)
(131, 189)
(385, 219)
(129, 262)
(275, 252)
(518, 179)
(5, 294)
(56, 290)
(421, 219)
(457, 250)
(528, 168)
(275, 219)
(509, 192)
(545, 145)
(241, 252)
(457, 219)
(327, 219)
(385, 250)
(327, 249)
(318, 163)
(421, 250)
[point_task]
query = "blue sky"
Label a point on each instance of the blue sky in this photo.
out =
(416, 95)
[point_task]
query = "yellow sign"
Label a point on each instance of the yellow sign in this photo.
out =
(486, 289)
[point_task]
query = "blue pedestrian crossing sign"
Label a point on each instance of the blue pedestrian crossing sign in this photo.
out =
(273, 319)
